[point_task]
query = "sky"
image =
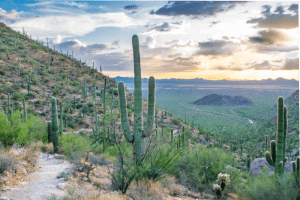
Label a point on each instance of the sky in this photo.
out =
(216, 40)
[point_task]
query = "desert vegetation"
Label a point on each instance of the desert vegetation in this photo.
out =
(55, 104)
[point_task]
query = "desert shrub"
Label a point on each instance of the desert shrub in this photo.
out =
(72, 142)
(34, 47)
(17, 96)
(71, 125)
(7, 161)
(64, 75)
(90, 104)
(269, 187)
(63, 59)
(192, 166)
(13, 130)
(75, 83)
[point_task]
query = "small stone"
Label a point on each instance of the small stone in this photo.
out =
(4, 198)
(58, 156)
(62, 185)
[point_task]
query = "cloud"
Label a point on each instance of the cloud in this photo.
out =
(232, 68)
(131, 7)
(217, 47)
(9, 16)
(116, 43)
(276, 48)
(277, 20)
(291, 64)
(70, 26)
(270, 37)
(265, 65)
(293, 8)
(58, 4)
(172, 42)
(214, 22)
(165, 27)
(191, 8)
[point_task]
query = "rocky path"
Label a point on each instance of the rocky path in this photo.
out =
(42, 183)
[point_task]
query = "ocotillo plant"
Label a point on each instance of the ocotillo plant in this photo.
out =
(137, 138)
(54, 122)
(277, 148)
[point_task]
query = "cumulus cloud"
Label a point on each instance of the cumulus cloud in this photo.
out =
(9, 16)
(278, 19)
(291, 64)
(191, 8)
(270, 37)
(217, 47)
(265, 65)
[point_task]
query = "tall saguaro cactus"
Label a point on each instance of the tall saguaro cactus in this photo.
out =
(54, 123)
(277, 157)
(137, 138)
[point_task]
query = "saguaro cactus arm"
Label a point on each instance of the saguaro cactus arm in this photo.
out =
(123, 107)
(271, 157)
(296, 169)
(151, 102)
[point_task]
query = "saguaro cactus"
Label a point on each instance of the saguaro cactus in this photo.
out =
(296, 170)
(137, 138)
(61, 120)
(49, 132)
(54, 122)
(277, 148)
(24, 110)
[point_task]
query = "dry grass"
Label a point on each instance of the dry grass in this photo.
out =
(147, 190)
(175, 190)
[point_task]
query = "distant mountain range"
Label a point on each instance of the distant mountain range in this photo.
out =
(278, 81)
(223, 100)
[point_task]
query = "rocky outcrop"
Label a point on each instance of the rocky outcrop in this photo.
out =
(259, 163)
(224, 100)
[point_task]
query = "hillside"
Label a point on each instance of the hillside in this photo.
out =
(223, 100)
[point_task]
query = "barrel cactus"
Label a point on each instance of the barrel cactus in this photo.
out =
(137, 138)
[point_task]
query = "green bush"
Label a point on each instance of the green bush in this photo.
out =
(71, 125)
(268, 187)
(17, 96)
(192, 164)
(64, 75)
(34, 47)
(90, 104)
(72, 142)
(75, 83)
(2, 72)
(13, 130)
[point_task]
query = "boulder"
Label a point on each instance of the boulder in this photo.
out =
(259, 163)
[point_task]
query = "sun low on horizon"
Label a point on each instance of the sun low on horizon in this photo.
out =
(216, 40)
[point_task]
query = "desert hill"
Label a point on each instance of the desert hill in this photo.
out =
(223, 100)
